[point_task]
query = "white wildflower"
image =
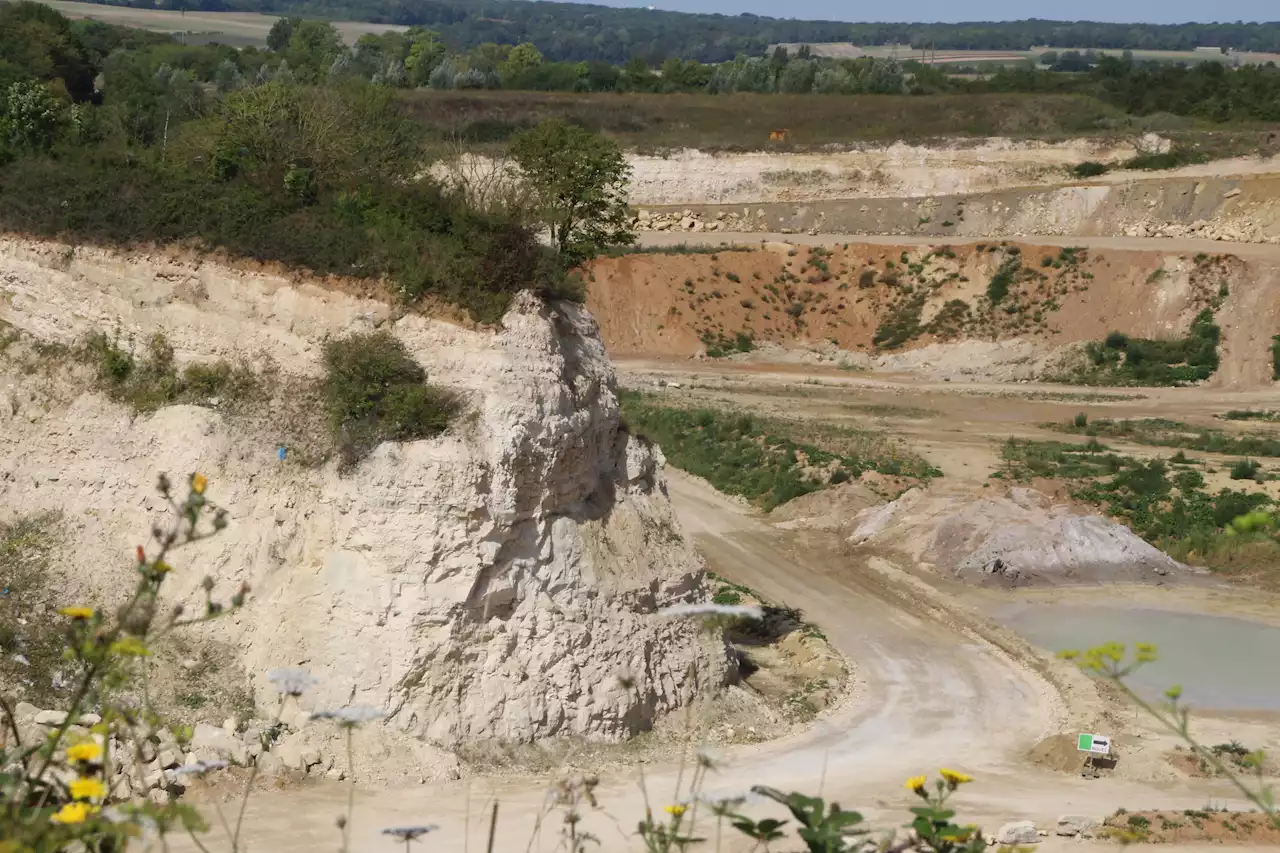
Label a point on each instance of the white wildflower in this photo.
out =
(728, 800)
(350, 716)
(409, 833)
(292, 681)
(743, 611)
(199, 767)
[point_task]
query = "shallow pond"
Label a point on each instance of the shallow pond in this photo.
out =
(1222, 663)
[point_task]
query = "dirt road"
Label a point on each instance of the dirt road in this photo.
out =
(927, 695)
(1266, 251)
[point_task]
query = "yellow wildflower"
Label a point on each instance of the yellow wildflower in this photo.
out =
(87, 789)
(74, 813)
(161, 566)
(77, 612)
(916, 783)
(84, 751)
(198, 483)
(676, 810)
(130, 647)
(954, 777)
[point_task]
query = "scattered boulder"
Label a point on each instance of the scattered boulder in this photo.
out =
(52, 719)
(1018, 832)
(1073, 825)
(212, 742)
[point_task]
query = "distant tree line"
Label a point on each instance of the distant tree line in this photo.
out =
(582, 32)
(112, 136)
(162, 81)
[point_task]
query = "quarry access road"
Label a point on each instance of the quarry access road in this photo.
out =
(1171, 245)
(930, 690)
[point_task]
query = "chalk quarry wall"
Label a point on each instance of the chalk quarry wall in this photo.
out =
(488, 584)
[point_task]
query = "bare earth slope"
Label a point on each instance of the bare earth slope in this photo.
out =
(850, 297)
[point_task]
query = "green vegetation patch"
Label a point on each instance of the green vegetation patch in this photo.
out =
(998, 287)
(152, 380)
(765, 460)
(1161, 432)
(261, 174)
(719, 345)
(1250, 415)
(1168, 506)
(376, 392)
(1090, 169)
(1122, 360)
(1176, 156)
(902, 322)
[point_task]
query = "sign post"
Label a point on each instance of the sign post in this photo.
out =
(1093, 746)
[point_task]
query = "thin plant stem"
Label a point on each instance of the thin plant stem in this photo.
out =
(226, 827)
(248, 787)
(195, 840)
(493, 827)
(1181, 729)
(351, 793)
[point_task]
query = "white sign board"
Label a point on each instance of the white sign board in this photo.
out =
(1095, 744)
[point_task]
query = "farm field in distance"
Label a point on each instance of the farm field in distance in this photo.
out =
(237, 29)
(841, 50)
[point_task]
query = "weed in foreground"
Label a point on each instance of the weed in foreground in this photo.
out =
(1114, 663)
(54, 791)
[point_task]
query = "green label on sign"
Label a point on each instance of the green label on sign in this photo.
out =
(1085, 743)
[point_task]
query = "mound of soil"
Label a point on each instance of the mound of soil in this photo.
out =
(1058, 752)
(1015, 538)
(828, 509)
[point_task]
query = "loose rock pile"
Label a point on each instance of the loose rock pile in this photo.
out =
(1023, 832)
(694, 222)
(158, 767)
(1232, 232)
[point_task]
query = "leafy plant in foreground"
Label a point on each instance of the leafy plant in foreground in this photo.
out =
(823, 828)
(54, 791)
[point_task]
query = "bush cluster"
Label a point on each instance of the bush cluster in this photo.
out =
(152, 380)
(239, 187)
(1122, 360)
(376, 392)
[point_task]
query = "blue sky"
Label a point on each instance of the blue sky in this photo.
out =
(1148, 11)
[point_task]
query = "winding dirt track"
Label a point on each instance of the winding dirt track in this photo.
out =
(929, 692)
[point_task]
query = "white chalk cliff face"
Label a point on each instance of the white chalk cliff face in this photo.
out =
(489, 584)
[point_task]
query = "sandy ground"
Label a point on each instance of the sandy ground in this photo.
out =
(936, 685)
(956, 426)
